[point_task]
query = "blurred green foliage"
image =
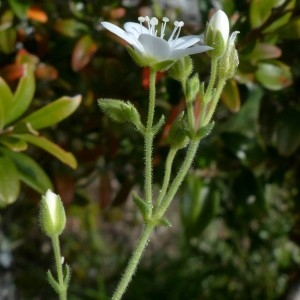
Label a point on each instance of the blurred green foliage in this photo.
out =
(245, 180)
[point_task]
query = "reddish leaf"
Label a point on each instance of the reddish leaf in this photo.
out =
(84, 50)
(24, 57)
(12, 72)
(46, 72)
(37, 14)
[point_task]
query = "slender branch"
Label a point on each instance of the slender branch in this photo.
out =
(191, 152)
(149, 142)
(213, 77)
(214, 102)
(133, 262)
(167, 175)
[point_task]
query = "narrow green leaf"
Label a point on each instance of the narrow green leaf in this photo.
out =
(23, 95)
(53, 112)
(9, 181)
(39, 141)
(30, 172)
(13, 143)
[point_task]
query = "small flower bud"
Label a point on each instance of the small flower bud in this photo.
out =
(230, 60)
(217, 34)
(52, 214)
(192, 88)
(178, 135)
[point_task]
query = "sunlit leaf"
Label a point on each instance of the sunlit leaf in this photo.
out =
(274, 75)
(53, 112)
(9, 181)
(231, 96)
(83, 52)
(39, 141)
(23, 96)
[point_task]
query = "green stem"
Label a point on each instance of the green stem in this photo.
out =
(214, 102)
(213, 77)
(208, 93)
(189, 107)
(149, 142)
(57, 256)
(133, 262)
(191, 152)
(167, 176)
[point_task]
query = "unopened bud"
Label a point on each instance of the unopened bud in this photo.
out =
(52, 214)
(217, 34)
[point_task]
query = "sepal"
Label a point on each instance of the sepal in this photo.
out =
(205, 130)
(178, 135)
(182, 69)
(192, 88)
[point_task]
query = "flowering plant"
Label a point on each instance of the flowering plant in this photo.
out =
(150, 49)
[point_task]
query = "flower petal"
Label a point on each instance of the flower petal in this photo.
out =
(117, 31)
(185, 42)
(128, 37)
(136, 29)
(177, 53)
(155, 47)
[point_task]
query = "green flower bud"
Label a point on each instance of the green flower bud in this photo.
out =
(230, 60)
(192, 88)
(52, 214)
(120, 111)
(217, 33)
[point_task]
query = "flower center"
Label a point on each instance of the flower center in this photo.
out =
(151, 23)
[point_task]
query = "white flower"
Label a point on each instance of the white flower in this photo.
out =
(152, 47)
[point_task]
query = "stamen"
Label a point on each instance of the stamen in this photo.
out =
(176, 24)
(153, 22)
(180, 25)
(147, 20)
(163, 27)
(141, 20)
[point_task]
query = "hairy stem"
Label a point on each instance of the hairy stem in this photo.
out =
(133, 262)
(149, 135)
(58, 262)
(191, 152)
(166, 180)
